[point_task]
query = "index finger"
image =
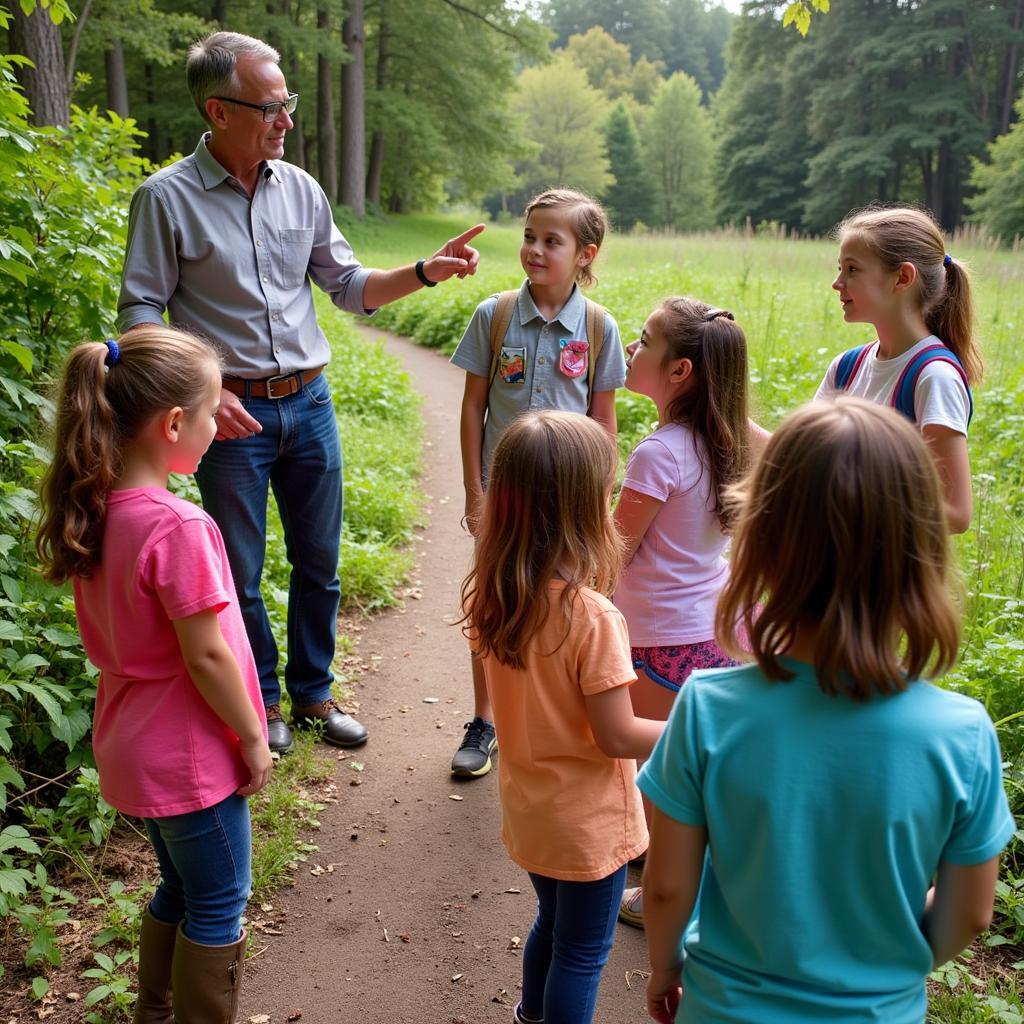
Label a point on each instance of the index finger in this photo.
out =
(468, 235)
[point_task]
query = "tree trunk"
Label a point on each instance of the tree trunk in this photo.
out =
(353, 127)
(327, 138)
(219, 11)
(152, 145)
(38, 38)
(376, 169)
(1008, 72)
(117, 83)
(295, 140)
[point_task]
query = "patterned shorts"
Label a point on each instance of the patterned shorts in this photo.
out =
(671, 666)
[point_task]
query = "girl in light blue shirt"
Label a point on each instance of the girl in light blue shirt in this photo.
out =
(827, 823)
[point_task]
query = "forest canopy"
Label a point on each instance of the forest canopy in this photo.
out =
(679, 113)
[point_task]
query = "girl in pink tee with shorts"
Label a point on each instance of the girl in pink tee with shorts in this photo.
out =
(691, 361)
(179, 733)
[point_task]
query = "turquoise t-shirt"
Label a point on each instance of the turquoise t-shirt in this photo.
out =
(826, 820)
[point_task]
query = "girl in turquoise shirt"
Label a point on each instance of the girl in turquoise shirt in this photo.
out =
(831, 820)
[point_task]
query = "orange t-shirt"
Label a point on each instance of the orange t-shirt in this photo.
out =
(568, 811)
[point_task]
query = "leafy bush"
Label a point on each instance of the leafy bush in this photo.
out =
(64, 196)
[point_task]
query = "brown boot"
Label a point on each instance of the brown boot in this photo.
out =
(206, 981)
(156, 953)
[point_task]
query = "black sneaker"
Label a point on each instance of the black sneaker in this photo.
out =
(473, 758)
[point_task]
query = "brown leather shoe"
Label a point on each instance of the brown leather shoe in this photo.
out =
(279, 736)
(339, 729)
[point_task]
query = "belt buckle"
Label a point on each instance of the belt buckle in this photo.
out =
(292, 381)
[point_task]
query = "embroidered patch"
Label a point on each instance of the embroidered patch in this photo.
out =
(512, 365)
(573, 360)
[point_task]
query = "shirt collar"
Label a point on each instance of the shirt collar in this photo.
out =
(568, 316)
(212, 172)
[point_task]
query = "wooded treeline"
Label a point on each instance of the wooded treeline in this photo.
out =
(677, 113)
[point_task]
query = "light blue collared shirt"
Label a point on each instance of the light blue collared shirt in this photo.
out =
(238, 270)
(542, 383)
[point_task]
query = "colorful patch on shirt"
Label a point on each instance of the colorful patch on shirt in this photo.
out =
(512, 365)
(573, 360)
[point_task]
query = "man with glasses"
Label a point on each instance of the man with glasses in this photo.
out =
(227, 241)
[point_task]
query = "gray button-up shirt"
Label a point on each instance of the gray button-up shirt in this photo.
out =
(536, 342)
(238, 270)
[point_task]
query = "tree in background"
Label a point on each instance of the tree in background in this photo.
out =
(677, 150)
(107, 30)
(642, 25)
(608, 65)
(564, 115)
(439, 114)
(630, 198)
(762, 147)
(999, 201)
(882, 101)
(683, 34)
(36, 35)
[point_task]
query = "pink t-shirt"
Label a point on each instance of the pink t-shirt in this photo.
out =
(159, 747)
(669, 590)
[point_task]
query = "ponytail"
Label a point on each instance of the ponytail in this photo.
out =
(84, 468)
(105, 396)
(716, 408)
(952, 320)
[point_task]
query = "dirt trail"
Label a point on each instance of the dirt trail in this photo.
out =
(409, 861)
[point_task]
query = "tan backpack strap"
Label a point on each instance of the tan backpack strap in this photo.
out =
(500, 321)
(595, 339)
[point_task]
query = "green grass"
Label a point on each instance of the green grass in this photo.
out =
(779, 290)
(283, 813)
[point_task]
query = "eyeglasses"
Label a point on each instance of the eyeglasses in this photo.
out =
(270, 111)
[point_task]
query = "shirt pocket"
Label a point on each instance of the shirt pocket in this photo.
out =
(296, 246)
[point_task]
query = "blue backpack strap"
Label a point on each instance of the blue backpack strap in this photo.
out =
(849, 364)
(903, 394)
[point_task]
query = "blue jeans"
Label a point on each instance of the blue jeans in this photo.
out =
(298, 455)
(568, 947)
(205, 862)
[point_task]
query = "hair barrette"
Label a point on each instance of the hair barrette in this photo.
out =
(946, 260)
(113, 353)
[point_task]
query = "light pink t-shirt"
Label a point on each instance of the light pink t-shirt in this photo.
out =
(159, 747)
(669, 590)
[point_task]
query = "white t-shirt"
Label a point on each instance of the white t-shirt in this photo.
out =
(669, 590)
(939, 397)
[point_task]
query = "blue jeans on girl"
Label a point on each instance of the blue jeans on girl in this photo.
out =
(568, 947)
(205, 862)
(298, 454)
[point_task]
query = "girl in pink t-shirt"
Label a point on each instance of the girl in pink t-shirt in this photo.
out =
(555, 658)
(691, 361)
(179, 734)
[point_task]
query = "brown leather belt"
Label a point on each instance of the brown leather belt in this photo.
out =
(271, 387)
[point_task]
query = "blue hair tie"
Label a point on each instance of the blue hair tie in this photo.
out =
(113, 353)
(946, 260)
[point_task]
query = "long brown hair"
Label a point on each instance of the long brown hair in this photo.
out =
(546, 514)
(587, 219)
(715, 407)
(841, 529)
(101, 405)
(903, 234)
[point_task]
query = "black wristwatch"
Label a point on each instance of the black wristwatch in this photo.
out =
(424, 280)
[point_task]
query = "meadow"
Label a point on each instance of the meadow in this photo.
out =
(779, 290)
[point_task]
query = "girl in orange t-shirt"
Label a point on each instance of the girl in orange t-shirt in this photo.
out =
(555, 655)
